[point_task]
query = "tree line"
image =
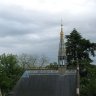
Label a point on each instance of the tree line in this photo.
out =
(12, 67)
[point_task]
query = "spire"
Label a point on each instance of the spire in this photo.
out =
(61, 53)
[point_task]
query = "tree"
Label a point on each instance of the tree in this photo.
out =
(27, 61)
(88, 83)
(10, 72)
(78, 47)
(53, 66)
(42, 61)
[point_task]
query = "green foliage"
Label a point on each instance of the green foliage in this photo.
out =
(88, 83)
(53, 66)
(78, 47)
(81, 48)
(10, 72)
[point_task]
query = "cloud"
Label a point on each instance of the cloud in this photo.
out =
(37, 31)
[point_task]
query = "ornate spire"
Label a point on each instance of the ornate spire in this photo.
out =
(61, 53)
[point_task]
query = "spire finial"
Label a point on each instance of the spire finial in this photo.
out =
(61, 22)
(61, 25)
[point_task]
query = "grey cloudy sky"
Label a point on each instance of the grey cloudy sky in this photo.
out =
(33, 26)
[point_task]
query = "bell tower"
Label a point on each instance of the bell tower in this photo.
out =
(61, 52)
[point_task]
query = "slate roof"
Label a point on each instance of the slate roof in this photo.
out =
(46, 83)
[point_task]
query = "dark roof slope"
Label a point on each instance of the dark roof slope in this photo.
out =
(46, 84)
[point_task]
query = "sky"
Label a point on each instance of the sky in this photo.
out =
(33, 26)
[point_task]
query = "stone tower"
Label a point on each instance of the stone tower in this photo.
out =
(61, 53)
